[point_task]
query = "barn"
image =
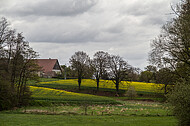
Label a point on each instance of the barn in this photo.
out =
(49, 68)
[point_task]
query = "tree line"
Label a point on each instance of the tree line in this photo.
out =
(113, 67)
(102, 66)
(17, 67)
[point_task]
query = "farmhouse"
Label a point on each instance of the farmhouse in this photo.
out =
(49, 68)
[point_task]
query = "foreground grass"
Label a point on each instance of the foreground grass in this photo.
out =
(126, 108)
(130, 113)
(129, 108)
(83, 120)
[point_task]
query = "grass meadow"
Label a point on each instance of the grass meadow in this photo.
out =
(83, 120)
(58, 102)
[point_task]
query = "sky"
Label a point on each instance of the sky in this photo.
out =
(59, 28)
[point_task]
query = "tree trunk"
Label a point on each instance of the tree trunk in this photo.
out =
(117, 86)
(97, 80)
(165, 89)
(79, 82)
(13, 72)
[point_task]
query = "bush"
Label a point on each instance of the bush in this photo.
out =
(131, 93)
(179, 98)
(7, 96)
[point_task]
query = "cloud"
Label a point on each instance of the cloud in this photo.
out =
(52, 50)
(50, 7)
(82, 21)
(58, 28)
(150, 12)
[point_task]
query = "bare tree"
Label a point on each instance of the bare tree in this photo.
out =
(165, 76)
(7, 37)
(25, 66)
(3, 30)
(80, 62)
(16, 67)
(171, 51)
(117, 69)
(99, 64)
(171, 48)
(134, 74)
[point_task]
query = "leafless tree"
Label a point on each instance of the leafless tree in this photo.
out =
(80, 62)
(99, 64)
(17, 64)
(3, 30)
(117, 69)
(133, 74)
(165, 76)
(171, 48)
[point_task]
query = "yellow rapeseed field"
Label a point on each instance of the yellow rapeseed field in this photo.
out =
(46, 91)
(41, 93)
(139, 86)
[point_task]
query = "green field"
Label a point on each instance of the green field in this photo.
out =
(82, 120)
(132, 113)
(126, 108)
(58, 102)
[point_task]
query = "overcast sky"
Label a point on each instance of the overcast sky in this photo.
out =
(59, 28)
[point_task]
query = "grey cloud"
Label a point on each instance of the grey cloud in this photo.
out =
(145, 8)
(121, 27)
(154, 21)
(72, 32)
(151, 13)
(116, 29)
(64, 37)
(108, 26)
(51, 8)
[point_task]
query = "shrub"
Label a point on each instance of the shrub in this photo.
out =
(131, 92)
(179, 98)
(7, 96)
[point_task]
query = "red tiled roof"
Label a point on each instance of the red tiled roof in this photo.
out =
(46, 64)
